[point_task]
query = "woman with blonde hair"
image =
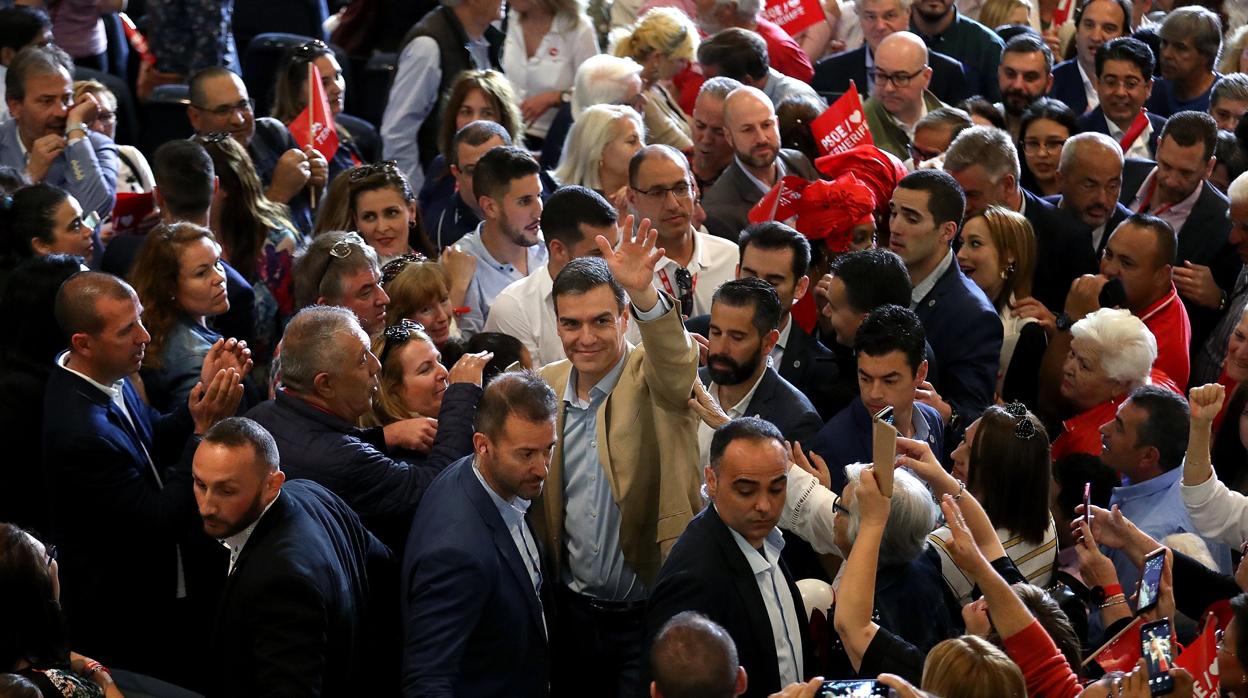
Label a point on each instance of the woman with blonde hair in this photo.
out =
(971, 667)
(664, 42)
(1235, 53)
(996, 13)
(602, 141)
(134, 175)
(546, 41)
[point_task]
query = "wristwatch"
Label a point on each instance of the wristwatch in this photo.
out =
(75, 126)
(1063, 322)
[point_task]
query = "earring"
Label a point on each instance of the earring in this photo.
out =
(1008, 271)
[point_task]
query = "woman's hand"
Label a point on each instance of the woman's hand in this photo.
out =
(1094, 567)
(706, 408)
(469, 368)
(815, 465)
(459, 266)
(962, 547)
(1031, 308)
(532, 108)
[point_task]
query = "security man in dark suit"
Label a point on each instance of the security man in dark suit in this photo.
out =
(292, 618)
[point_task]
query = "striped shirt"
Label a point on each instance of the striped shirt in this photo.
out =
(1036, 562)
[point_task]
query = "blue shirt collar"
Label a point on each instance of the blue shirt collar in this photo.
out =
(1160, 483)
(601, 389)
(512, 512)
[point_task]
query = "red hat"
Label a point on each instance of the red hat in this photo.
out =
(831, 210)
(875, 168)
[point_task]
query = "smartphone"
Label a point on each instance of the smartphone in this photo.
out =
(1156, 650)
(1150, 581)
(1113, 294)
(885, 415)
(1087, 504)
(852, 689)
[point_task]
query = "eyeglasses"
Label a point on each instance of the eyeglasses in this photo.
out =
(385, 167)
(397, 335)
(246, 106)
(681, 191)
(396, 266)
(899, 79)
(1033, 146)
(840, 508)
(342, 249)
(315, 47)
(684, 287)
(1111, 82)
(919, 155)
(50, 551)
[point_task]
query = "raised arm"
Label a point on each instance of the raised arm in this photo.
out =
(855, 600)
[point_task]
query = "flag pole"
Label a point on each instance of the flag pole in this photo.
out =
(312, 71)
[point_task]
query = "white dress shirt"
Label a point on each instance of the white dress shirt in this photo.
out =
(568, 44)
(714, 261)
(1176, 214)
(781, 610)
(236, 542)
(491, 277)
(1138, 149)
(1089, 90)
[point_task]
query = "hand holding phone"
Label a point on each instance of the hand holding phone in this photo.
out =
(1157, 650)
(1150, 581)
(883, 450)
(852, 689)
(1087, 504)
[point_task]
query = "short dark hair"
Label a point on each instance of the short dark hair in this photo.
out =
(506, 349)
(32, 61)
(656, 150)
(954, 118)
(772, 235)
(27, 304)
(891, 328)
(19, 25)
(30, 213)
(75, 306)
(237, 432)
(1031, 43)
(475, 134)
(737, 53)
(1231, 154)
(522, 393)
(1187, 128)
(1072, 471)
(981, 107)
(1124, 5)
(582, 275)
(752, 291)
(501, 166)
(185, 176)
(873, 278)
(569, 208)
(747, 428)
(195, 87)
(694, 657)
(1129, 49)
(1166, 426)
(1167, 241)
(946, 200)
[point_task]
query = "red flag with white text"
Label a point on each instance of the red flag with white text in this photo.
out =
(842, 125)
(315, 124)
(793, 16)
(781, 202)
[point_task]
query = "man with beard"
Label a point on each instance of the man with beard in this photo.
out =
(1025, 75)
(507, 243)
(1090, 175)
(758, 163)
(947, 31)
(292, 617)
(745, 325)
(472, 587)
(1096, 23)
(890, 346)
(1191, 40)
(1124, 80)
(901, 76)
(711, 151)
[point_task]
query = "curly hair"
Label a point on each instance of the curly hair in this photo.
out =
(155, 278)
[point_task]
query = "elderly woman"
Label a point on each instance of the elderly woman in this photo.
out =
(664, 42)
(1111, 354)
(600, 145)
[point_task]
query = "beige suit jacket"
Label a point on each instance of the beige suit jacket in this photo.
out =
(648, 448)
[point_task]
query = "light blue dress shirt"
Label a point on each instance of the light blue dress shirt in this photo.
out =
(778, 599)
(491, 278)
(513, 517)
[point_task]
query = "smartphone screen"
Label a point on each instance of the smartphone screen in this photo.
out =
(1150, 581)
(1087, 503)
(885, 415)
(851, 689)
(1156, 649)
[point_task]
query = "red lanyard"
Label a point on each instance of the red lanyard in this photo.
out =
(1148, 198)
(667, 285)
(1137, 127)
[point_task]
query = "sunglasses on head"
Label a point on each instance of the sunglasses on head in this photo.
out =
(397, 335)
(396, 266)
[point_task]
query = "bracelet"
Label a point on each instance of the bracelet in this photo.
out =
(1112, 590)
(93, 666)
(1114, 600)
(956, 497)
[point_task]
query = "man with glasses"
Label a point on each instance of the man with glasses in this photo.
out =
(758, 163)
(220, 104)
(694, 262)
(1124, 80)
(900, 98)
(1025, 75)
(451, 218)
(48, 138)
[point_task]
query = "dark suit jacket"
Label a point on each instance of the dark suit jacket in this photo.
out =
(965, 332)
(1063, 252)
(1068, 86)
(846, 438)
(807, 365)
(833, 73)
(117, 526)
(1134, 172)
(707, 573)
(1118, 216)
(730, 199)
(777, 401)
(473, 625)
(1094, 121)
(292, 616)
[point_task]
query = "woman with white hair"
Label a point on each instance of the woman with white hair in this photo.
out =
(664, 42)
(602, 141)
(1111, 353)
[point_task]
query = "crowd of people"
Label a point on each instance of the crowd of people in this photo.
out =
(538, 386)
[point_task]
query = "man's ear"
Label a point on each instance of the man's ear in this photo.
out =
(743, 681)
(480, 444)
(80, 343)
(708, 476)
(323, 384)
(1213, 162)
(921, 374)
(799, 291)
(948, 231)
(769, 341)
(489, 207)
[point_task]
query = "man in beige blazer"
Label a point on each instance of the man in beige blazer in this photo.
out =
(624, 479)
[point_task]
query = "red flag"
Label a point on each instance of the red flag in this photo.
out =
(1062, 12)
(781, 202)
(315, 124)
(1122, 652)
(794, 15)
(130, 210)
(843, 125)
(1201, 660)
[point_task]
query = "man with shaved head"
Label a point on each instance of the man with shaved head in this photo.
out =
(758, 162)
(1090, 177)
(899, 95)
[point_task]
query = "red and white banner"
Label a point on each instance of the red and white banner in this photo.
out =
(1201, 661)
(315, 124)
(843, 125)
(793, 15)
(130, 211)
(1122, 652)
(780, 203)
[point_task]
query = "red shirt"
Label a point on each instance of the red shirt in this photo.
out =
(1082, 433)
(1167, 320)
(783, 52)
(1044, 667)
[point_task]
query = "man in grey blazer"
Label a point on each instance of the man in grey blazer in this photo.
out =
(757, 164)
(48, 138)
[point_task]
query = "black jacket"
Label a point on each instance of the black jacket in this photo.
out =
(833, 73)
(779, 402)
(1063, 252)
